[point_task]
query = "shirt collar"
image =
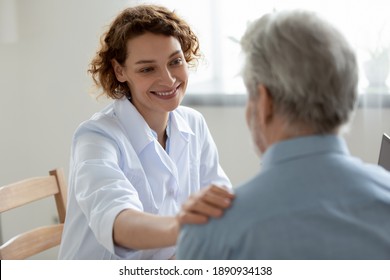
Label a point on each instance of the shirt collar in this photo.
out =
(138, 131)
(179, 124)
(303, 147)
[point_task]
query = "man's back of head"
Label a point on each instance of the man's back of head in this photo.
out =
(307, 66)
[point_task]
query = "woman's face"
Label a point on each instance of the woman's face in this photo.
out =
(156, 73)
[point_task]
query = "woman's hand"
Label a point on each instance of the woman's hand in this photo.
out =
(208, 202)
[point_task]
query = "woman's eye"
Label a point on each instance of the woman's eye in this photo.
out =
(177, 61)
(146, 70)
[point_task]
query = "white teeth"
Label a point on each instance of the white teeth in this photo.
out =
(165, 93)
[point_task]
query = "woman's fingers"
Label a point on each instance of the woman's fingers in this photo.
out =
(217, 196)
(209, 202)
(198, 206)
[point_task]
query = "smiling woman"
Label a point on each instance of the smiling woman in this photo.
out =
(136, 162)
(156, 73)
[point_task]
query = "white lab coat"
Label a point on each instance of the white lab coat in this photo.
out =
(117, 163)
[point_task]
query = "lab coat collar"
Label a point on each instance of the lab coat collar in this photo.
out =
(136, 128)
(138, 131)
(180, 125)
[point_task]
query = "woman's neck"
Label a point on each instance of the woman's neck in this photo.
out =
(159, 125)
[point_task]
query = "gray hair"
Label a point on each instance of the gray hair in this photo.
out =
(306, 64)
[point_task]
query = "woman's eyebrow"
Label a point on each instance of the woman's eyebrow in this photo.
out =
(175, 53)
(144, 61)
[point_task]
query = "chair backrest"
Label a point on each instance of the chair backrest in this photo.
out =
(26, 191)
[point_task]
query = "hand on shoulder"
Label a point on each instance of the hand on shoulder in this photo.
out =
(211, 201)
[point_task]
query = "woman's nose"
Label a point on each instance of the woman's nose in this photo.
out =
(167, 77)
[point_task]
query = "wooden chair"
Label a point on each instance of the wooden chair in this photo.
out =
(26, 191)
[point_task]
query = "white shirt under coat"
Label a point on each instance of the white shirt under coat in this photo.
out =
(117, 163)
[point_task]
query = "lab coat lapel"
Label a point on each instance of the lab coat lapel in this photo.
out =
(137, 130)
(180, 137)
(179, 145)
(170, 165)
(135, 126)
(179, 149)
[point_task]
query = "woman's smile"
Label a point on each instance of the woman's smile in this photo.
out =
(166, 94)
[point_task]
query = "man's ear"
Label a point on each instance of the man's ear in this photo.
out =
(265, 104)
(118, 70)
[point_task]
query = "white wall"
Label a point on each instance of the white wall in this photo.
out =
(44, 90)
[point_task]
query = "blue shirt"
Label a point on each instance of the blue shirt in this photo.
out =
(311, 200)
(117, 163)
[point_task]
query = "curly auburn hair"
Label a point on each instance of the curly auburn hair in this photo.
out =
(130, 23)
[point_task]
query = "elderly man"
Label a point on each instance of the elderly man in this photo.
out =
(311, 198)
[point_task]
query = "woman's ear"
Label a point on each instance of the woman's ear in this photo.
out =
(118, 70)
(265, 104)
